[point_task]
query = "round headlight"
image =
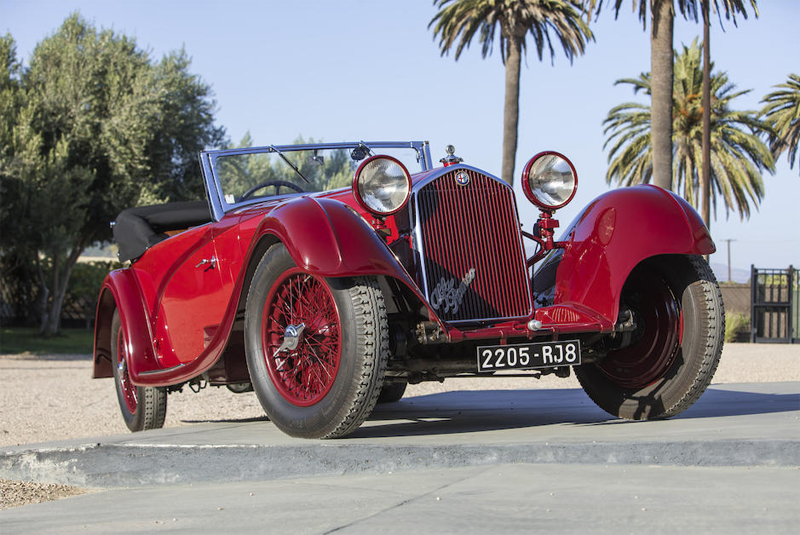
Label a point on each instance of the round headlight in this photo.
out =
(382, 185)
(549, 180)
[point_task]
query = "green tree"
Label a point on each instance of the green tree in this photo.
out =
(458, 21)
(333, 169)
(100, 126)
(662, 14)
(18, 282)
(782, 112)
(11, 98)
(183, 127)
(738, 156)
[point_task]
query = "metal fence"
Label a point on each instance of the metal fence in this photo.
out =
(775, 305)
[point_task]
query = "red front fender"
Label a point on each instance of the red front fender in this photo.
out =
(328, 238)
(616, 232)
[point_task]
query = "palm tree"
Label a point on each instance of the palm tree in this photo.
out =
(661, 32)
(782, 112)
(458, 21)
(738, 156)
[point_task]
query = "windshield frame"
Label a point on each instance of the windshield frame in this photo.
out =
(216, 199)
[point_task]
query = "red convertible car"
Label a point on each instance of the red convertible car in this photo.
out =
(327, 277)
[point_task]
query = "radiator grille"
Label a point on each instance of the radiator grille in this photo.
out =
(471, 249)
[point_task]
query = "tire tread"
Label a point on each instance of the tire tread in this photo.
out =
(695, 272)
(373, 330)
(715, 338)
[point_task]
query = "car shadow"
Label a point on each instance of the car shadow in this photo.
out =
(495, 410)
(225, 420)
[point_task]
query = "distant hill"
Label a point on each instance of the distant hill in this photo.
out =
(737, 274)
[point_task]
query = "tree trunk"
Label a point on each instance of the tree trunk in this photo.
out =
(52, 323)
(511, 110)
(661, 75)
(705, 181)
(44, 295)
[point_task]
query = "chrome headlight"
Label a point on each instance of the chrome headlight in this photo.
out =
(382, 185)
(549, 180)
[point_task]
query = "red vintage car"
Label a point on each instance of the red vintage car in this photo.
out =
(327, 277)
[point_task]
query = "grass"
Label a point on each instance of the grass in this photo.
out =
(15, 340)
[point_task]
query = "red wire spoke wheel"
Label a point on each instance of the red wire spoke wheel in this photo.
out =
(674, 349)
(142, 407)
(316, 348)
(305, 374)
(127, 388)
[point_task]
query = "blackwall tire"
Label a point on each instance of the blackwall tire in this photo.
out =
(328, 384)
(142, 407)
(392, 392)
(677, 302)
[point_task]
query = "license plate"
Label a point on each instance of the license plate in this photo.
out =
(529, 356)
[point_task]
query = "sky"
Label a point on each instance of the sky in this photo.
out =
(371, 70)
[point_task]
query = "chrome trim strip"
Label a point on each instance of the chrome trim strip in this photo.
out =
(419, 146)
(165, 370)
(211, 186)
(417, 243)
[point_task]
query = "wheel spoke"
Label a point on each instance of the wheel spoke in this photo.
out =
(303, 375)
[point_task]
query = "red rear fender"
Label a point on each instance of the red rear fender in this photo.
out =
(121, 292)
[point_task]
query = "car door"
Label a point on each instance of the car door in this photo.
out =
(192, 299)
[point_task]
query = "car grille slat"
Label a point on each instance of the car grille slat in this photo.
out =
(471, 249)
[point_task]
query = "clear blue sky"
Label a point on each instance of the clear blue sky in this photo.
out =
(346, 70)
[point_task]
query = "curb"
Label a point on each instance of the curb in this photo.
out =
(131, 465)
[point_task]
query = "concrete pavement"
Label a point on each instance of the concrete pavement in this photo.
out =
(459, 461)
(550, 498)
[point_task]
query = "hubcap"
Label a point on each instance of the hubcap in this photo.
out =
(301, 337)
(291, 338)
(657, 338)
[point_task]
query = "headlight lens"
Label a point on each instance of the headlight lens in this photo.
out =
(549, 180)
(382, 185)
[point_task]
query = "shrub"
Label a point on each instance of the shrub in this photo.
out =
(87, 277)
(737, 327)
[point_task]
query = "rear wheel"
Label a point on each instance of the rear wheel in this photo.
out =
(674, 351)
(392, 392)
(142, 407)
(316, 348)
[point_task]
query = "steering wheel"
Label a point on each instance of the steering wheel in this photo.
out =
(277, 184)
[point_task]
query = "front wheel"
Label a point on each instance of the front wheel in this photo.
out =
(316, 348)
(675, 348)
(142, 407)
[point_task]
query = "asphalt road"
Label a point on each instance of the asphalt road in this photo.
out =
(467, 462)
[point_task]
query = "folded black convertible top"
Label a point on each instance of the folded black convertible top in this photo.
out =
(138, 229)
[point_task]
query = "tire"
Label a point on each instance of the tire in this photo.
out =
(142, 407)
(327, 384)
(239, 388)
(392, 392)
(675, 350)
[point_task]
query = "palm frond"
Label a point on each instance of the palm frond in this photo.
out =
(782, 113)
(738, 155)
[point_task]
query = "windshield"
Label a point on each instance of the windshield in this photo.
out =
(244, 175)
